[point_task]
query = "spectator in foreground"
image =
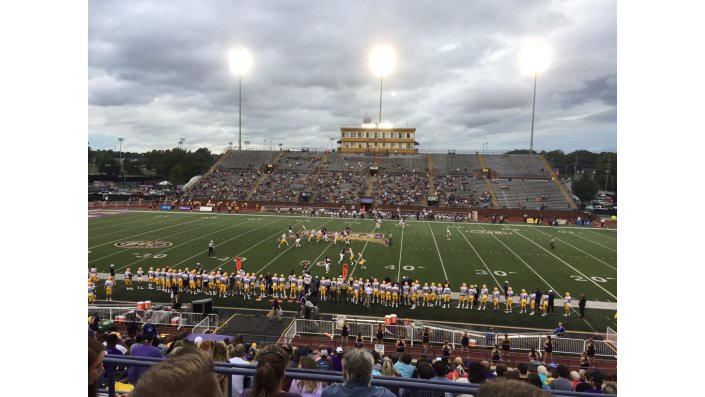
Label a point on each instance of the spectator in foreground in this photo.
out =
(562, 382)
(142, 349)
(186, 373)
(404, 367)
(272, 360)
(609, 388)
(238, 380)
(307, 388)
(96, 353)
(357, 375)
(506, 387)
(220, 355)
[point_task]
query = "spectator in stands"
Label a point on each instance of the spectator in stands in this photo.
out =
(272, 360)
(506, 387)
(404, 367)
(141, 349)
(543, 375)
(523, 370)
(187, 373)
(149, 330)
(574, 378)
(476, 372)
(562, 382)
(306, 388)
(512, 374)
(96, 353)
(595, 380)
(111, 348)
(487, 370)
(238, 380)
(324, 363)
(609, 387)
(459, 370)
(337, 359)
(132, 327)
(534, 379)
(388, 368)
(220, 355)
(560, 330)
(500, 370)
(357, 375)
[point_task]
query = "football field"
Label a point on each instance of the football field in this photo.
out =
(584, 259)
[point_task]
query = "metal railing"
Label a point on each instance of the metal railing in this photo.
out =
(438, 335)
(158, 317)
(611, 337)
(307, 374)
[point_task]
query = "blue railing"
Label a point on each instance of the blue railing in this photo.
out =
(308, 374)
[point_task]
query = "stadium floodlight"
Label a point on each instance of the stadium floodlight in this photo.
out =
(240, 63)
(535, 58)
(120, 152)
(383, 61)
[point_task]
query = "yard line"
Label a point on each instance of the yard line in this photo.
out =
(166, 222)
(363, 251)
(478, 255)
(130, 220)
(567, 243)
(230, 239)
(567, 264)
(595, 242)
(167, 236)
(401, 248)
(139, 234)
(277, 257)
(192, 240)
(437, 250)
(536, 273)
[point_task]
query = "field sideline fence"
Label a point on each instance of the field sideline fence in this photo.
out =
(440, 334)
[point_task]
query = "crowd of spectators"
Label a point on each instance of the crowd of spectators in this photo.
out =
(340, 187)
(401, 189)
(358, 365)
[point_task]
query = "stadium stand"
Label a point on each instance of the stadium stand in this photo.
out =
(519, 181)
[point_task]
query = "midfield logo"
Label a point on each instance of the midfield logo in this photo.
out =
(143, 244)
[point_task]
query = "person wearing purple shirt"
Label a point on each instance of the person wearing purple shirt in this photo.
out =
(141, 349)
(110, 348)
(338, 359)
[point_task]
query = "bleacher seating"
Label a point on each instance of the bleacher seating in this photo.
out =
(522, 181)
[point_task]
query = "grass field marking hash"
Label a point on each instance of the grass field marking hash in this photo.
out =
(290, 247)
(478, 255)
(139, 234)
(571, 245)
(131, 220)
(539, 276)
(567, 264)
(276, 234)
(438, 250)
(160, 252)
(167, 236)
(595, 242)
(200, 252)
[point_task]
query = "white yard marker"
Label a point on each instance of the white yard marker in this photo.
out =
(586, 253)
(437, 250)
(481, 260)
(139, 234)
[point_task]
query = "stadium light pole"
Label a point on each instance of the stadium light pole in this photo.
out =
(240, 63)
(535, 58)
(120, 152)
(383, 61)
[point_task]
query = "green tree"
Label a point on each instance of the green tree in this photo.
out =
(585, 188)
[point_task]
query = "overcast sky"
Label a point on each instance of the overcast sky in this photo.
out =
(158, 72)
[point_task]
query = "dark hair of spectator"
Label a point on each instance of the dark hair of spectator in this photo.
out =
(272, 362)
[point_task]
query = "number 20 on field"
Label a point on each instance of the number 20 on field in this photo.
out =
(593, 278)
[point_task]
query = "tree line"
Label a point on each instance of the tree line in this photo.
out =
(175, 165)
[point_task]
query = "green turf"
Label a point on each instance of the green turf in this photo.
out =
(584, 260)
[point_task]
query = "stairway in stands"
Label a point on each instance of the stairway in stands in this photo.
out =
(490, 188)
(554, 178)
(431, 185)
(313, 179)
(264, 176)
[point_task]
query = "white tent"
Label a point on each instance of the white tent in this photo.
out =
(164, 183)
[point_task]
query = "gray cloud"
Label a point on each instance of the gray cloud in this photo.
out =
(158, 71)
